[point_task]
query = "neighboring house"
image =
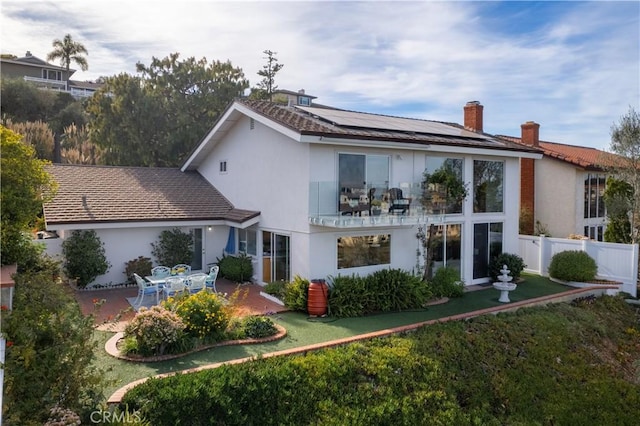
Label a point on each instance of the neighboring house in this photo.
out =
(316, 176)
(46, 75)
(564, 189)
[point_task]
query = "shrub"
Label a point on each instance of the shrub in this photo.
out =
(174, 247)
(446, 283)
(84, 257)
(155, 330)
(257, 327)
(236, 268)
(348, 296)
(514, 263)
(573, 265)
(395, 290)
(204, 314)
(141, 266)
(276, 289)
(295, 294)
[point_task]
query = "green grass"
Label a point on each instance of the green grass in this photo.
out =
(303, 331)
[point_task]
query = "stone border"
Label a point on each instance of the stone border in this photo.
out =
(111, 346)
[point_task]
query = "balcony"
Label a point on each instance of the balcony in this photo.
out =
(60, 84)
(369, 206)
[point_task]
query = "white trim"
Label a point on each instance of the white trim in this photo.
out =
(168, 224)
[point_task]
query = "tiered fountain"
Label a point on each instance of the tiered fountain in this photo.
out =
(504, 285)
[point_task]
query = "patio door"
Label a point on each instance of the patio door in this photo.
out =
(198, 249)
(276, 257)
(487, 243)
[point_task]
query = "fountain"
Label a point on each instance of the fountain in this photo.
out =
(504, 285)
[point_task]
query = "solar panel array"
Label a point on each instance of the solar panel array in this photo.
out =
(385, 122)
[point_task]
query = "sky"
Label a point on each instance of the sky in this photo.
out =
(571, 66)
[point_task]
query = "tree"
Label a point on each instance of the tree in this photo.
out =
(618, 197)
(51, 358)
(68, 51)
(156, 118)
(625, 165)
(267, 85)
(24, 181)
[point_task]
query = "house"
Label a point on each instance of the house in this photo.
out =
(310, 191)
(46, 75)
(563, 190)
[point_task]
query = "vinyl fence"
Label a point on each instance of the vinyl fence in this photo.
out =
(618, 262)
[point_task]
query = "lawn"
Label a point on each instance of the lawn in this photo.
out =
(303, 331)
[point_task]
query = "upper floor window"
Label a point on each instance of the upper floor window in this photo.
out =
(443, 186)
(51, 75)
(488, 186)
(362, 178)
(594, 186)
(223, 166)
(304, 100)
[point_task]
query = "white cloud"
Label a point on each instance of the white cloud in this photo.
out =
(573, 67)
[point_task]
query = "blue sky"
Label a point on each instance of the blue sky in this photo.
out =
(573, 67)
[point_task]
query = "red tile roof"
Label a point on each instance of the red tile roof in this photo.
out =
(105, 194)
(585, 157)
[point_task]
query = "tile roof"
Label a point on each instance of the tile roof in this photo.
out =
(106, 194)
(581, 156)
(308, 124)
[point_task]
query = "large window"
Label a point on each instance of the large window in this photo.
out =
(447, 249)
(362, 176)
(488, 186)
(443, 185)
(594, 186)
(247, 239)
(364, 251)
(487, 244)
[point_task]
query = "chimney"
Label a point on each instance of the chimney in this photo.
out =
(473, 116)
(28, 54)
(531, 133)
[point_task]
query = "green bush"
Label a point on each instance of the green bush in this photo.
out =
(385, 290)
(446, 283)
(257, 327)
(141, 266)
(155, 331)
(174, 247)
(205, 314)
(236, 268)
(84, 257)
(276, 289)
(295, 294)
(514, 263)
(573, 265)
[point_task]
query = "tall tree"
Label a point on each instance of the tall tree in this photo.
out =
(157, 117)
(69, 51)
(625, 166)
(267, 85)
(24, 180)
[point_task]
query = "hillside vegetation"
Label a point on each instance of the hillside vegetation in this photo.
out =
(566, 364)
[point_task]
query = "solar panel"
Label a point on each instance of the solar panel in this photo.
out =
(385, 122)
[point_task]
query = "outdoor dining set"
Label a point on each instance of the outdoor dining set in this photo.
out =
(172, 281)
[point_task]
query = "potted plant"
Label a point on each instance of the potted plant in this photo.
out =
(376, 207)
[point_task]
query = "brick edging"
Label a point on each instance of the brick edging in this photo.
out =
(116, 397)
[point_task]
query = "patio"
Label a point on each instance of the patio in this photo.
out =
(116, 310)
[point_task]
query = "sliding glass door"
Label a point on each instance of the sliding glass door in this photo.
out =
(276, 257)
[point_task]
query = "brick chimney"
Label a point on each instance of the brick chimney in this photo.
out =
(473, 116)
(531, 133)
(530, 136)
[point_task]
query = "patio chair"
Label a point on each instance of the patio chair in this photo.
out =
(145, 288)
(160, 271)
(210, 282)
(173, 286)
(398, 202)
(181, 269)
(196, 282)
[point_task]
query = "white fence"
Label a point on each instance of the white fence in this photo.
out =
(617, 262)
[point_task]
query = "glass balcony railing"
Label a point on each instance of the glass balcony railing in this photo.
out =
(368, 205)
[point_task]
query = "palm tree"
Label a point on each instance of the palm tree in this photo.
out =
(68, 50)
